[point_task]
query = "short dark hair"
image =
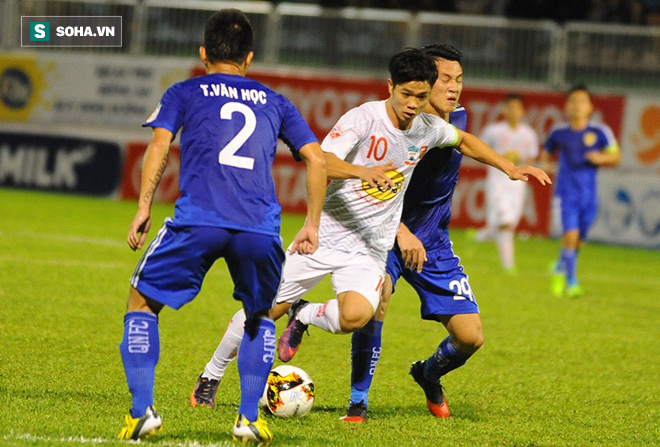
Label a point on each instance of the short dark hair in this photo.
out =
(513, 97)
(412, 65)
(442, 51)
(228, 36)
(578, 88)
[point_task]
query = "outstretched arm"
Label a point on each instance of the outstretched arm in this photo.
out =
(474, 148)
(339, 169)
(153, 166)
(307, 239)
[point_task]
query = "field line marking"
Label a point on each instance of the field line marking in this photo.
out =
(63, 262)
(73, 238)
(83, 440)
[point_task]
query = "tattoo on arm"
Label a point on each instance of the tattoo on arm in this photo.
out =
(153, 182)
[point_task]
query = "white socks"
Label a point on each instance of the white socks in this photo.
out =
(324, 316)
(228, 347)
(505, 247)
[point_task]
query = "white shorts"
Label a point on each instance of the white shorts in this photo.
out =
(504, 200)
(356, 272)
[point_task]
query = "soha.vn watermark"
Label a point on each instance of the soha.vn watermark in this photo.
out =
(71, 31)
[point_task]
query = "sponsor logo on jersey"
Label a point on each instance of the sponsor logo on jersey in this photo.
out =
(336, 132)
(415, 154)
(589, 139)
(384, 193)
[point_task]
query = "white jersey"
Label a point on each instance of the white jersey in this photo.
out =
(505, 198)
(516, 145)
(356, 217)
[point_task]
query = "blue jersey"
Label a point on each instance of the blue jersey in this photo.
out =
(427, 203)
(576, 179)
(230, 126)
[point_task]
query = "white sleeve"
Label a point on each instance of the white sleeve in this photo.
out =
(534, 144)
(487, 136)
(447, 134)
(346, 134)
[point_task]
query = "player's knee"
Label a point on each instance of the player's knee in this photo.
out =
(352, 321)
(470, 342)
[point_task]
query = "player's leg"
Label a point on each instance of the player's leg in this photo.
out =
(171, 270)
(586, 219)
(366, 344)
(446, 297)
(357, 281)
(565, 266)
(255, 264)
(208, 381)
(510, 201)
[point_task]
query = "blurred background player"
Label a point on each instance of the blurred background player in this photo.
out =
(583, 146)
(227, 208)
(424, 257)
(518, 143)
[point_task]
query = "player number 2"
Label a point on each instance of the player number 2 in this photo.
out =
(227, 154)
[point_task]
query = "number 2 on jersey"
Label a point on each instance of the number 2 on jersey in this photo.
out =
(227, 155)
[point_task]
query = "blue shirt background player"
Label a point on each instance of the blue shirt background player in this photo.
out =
(583, 146)
(230, 126)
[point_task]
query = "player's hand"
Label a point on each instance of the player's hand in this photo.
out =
(595, 157)
(376, 177)
(137, 232)
(412, 249)
(523, 172)
(306, 241)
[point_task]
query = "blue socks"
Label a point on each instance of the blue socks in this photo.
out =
(446, 358)
(140, 349)
(365, 352)
(255, 359)
(568, 259)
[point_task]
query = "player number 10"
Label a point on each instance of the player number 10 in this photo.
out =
(376, 146)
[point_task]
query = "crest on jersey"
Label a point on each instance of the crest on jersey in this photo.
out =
(415, 154)
(384, 194)
(589, 139)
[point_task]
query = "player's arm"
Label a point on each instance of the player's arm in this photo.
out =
(609, 157)
(412, 249)
(339, 169)
(153, 166)
(307, 239)
(476, 149)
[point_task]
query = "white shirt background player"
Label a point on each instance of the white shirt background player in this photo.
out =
(518, 143)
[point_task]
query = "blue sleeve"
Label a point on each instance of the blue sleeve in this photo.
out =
(169, 112)
(295, 132)
(550, 144)
(459, 118)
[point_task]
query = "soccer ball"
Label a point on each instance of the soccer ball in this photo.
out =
(289, 392)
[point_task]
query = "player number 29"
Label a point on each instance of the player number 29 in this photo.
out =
(227, 155)
(461, 288)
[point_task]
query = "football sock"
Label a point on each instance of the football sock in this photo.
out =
(140, 349)
(255, 359)
(569, 258)
(446, 358)
(365, 352)
(505, 247)
(228, 347)
(324, 316)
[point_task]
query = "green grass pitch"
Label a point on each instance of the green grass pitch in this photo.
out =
(553, 371)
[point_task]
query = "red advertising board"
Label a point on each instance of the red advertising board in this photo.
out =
(168, 190)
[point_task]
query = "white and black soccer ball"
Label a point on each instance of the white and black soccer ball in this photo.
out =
(289, 392)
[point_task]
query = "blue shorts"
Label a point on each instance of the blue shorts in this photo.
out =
(172, 269)
(442, 286)
(578, 216)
